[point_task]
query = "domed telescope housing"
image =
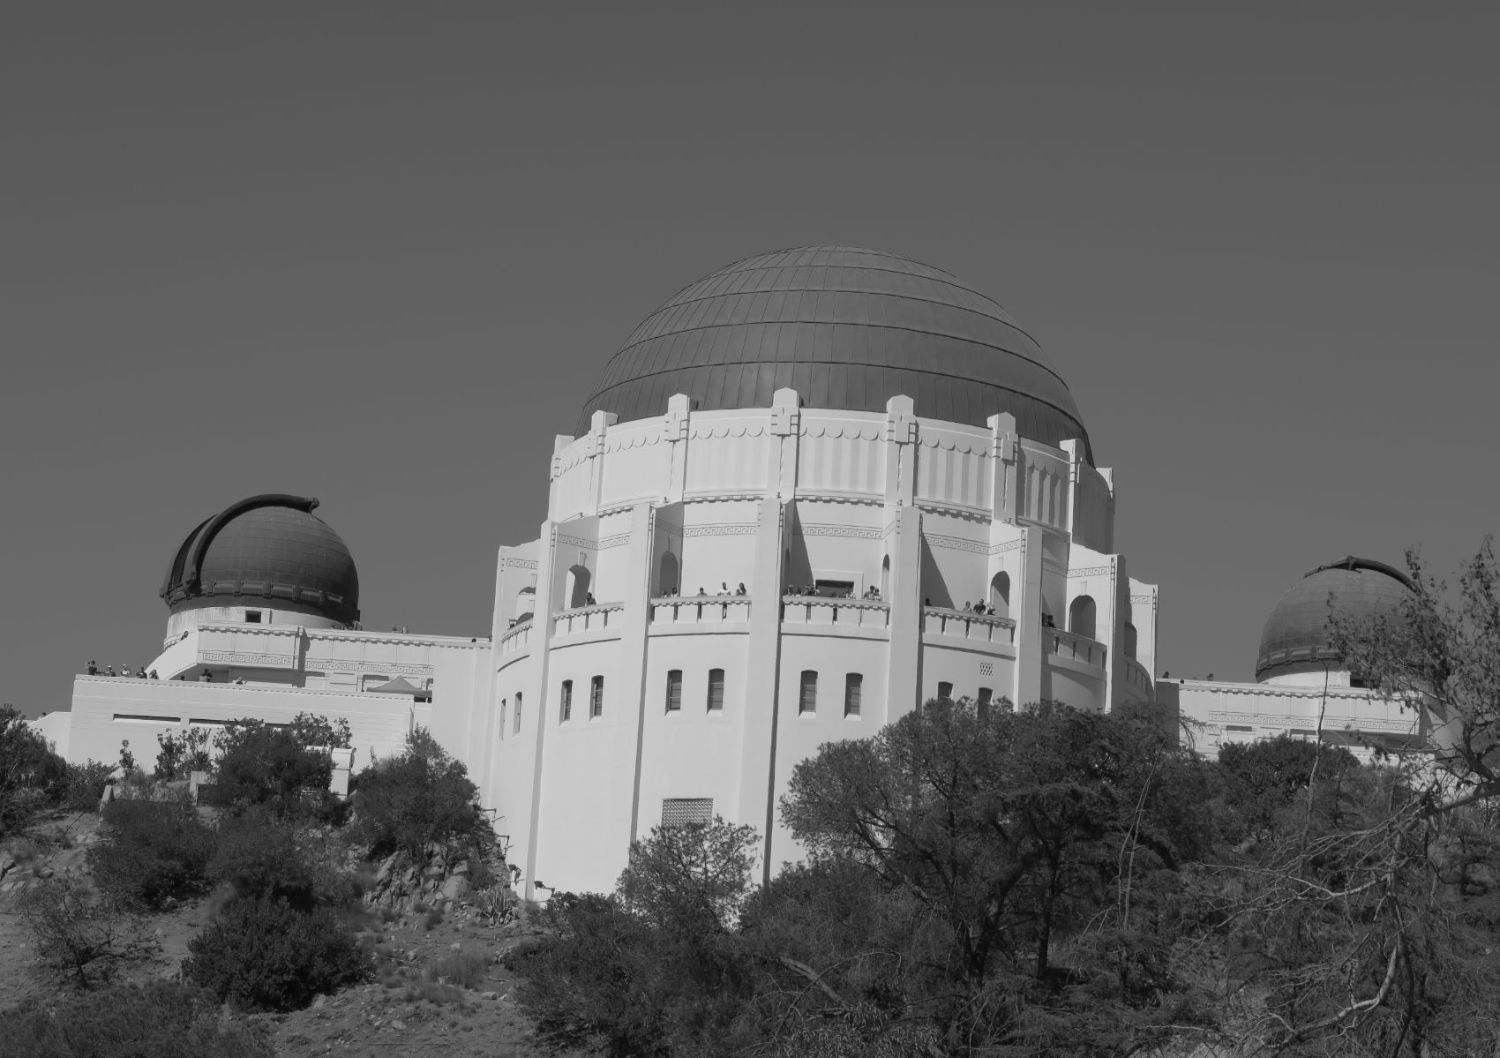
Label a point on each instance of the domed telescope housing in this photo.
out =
(264, 560)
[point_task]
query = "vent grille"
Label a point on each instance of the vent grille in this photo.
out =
(680, 811)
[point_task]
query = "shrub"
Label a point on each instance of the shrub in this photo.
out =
(261, 859)
(466, 969)
(31, 775)
(152, 852)
(81, 937)
(162, 1019)
(419, 797)
(266, 955)
(83, 785)
(262, 764)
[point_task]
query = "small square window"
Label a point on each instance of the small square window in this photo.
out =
(715, 690)
(678, 811)
(252, 617)
(674, 691)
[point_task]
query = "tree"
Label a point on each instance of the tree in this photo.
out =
(1016, 831)
(81, 937)
(181, 755)
(261, 763)
(1367, 918)
(422, 796)
(692, 876)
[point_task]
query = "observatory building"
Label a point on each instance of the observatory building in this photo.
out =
(812, 490)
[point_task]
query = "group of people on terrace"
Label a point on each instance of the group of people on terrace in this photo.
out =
(125, 671)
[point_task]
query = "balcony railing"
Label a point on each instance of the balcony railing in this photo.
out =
(517, 637)
(700, 609)
(1075, 646)
(1138, 677)
(597, 618)
(981, 628)
(825, 611)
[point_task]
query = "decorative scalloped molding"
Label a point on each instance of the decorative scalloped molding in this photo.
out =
(851, 431)
(865, 499)
(704, 432)
(954, 510)
(964, 446)
(635, 440)
(721, 529)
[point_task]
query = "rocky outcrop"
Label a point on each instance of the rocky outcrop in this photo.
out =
(445, 878)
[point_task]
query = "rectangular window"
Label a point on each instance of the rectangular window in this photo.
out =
(715, 690)
(518, 711)
(807, 701)
(596, 697)
(566, 706)
(677, 811)
(674, 691)
(945, 691)
(854, 686)
(985, 694)
(504, 709)
(252, 617)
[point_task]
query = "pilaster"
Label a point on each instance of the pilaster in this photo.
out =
(1026, 611)
(757, 801)
(904, 655)
(675, 433)
(1003, 441)
(625, 799)
(541, 652)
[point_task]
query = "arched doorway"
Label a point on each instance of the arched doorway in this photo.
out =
(1000, 594)
(1082, 614)
(667, 576)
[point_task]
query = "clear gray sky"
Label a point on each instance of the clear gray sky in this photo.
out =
(379, 253)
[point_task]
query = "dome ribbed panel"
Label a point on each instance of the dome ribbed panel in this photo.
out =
(846, 328)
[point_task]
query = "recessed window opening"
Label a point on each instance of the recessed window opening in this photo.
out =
(596, 697)
(983, 702)
(854, 686)
(1130, 640)
(1081, 616)
(674, 691)
(945, 691)
(504, 711)
(807, 699)
(834, 589)
(715, 690)
(565, 702)
(252, 617)
(518, 711)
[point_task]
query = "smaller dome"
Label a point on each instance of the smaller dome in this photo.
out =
(266, 550)
(1296, 637)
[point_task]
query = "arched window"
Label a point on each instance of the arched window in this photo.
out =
(807, 698)
(518, 711)
(1000, 594)
(1129, 640)
(667, 576)
(578, 586)
(885, 578)
(1082, 614)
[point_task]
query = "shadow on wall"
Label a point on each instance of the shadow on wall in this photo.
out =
(796, 564)
(934, 588)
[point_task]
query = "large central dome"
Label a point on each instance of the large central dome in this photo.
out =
(846, 328)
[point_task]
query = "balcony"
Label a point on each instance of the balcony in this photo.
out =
(1138, 679)
(1073, 646)
(517, 638)
(824, 612)
(601, 617)
(683, 610)
(973, 627)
